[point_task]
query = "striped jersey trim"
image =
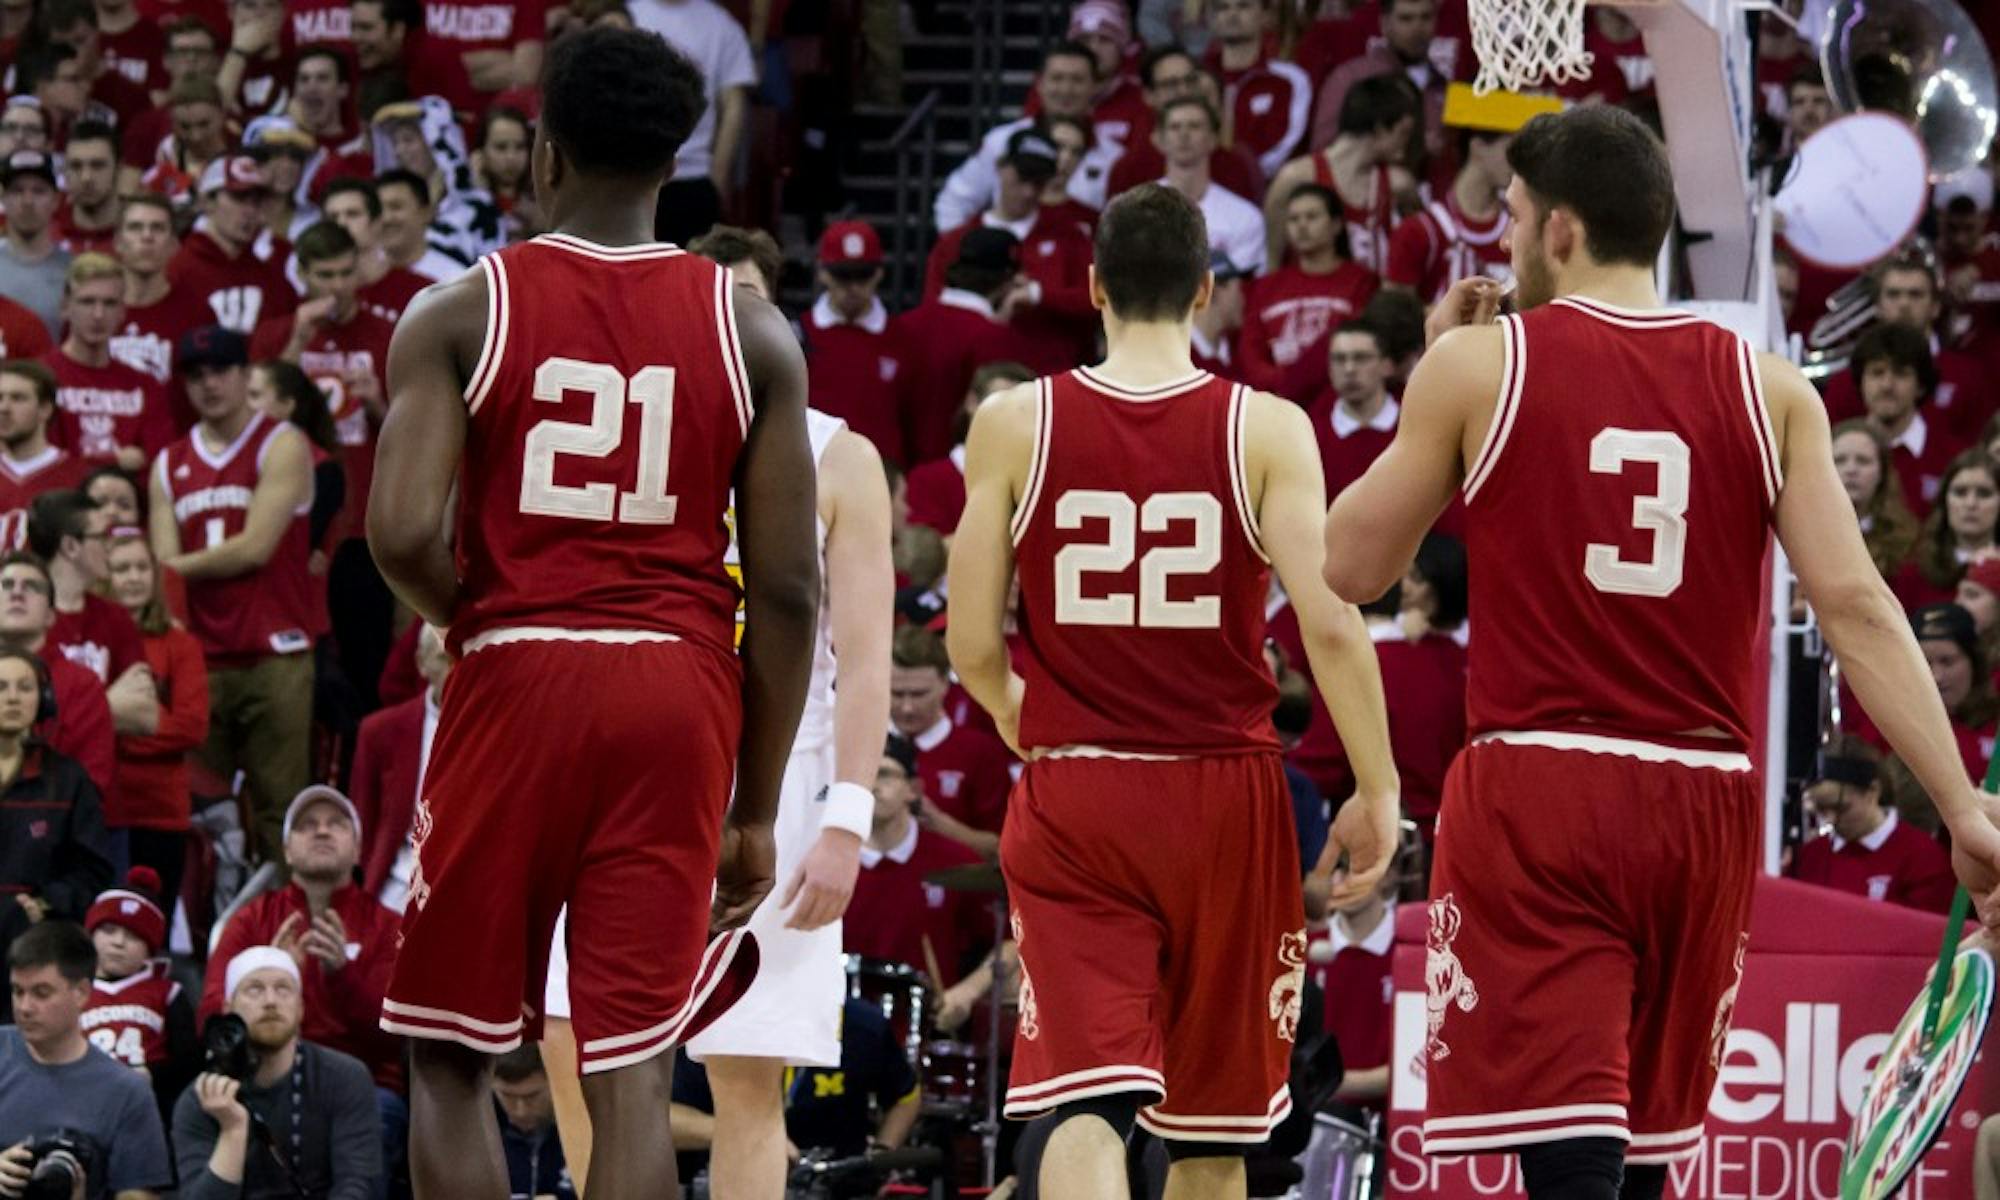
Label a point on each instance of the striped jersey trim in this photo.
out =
(1760, 419)
(1038, 461)
(1173, 1127)
(1081, 751)
(497, 312)
(1591, 743)
(1239, 471)
(1159, 391)
(1514, 369)
(732, 348)
(589, 249)
(1630, 318)
(510, 634)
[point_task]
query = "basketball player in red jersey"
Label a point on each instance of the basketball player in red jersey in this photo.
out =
(1599, 838)
(590, 397)
(1149, 848)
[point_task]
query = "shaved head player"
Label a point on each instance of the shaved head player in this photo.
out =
(1149, 851)
(1623, 465)
(591, 396)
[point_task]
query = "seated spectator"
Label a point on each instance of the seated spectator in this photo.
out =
(423, 138)
(1406, 51)
(242, 541)
(138, 1013)
(220, 259)
(937, 488)
(80, 727)
(1219, 325)
(29, 463)
(390, 756)
(71, 534)
(527, 1116)
(943, 341)
(1424, 676)
(1170, 73)
(1907, 294)
(1269, 100)
(314, 1098)
(88, 219)
(408, 207)
(151, 797)
(54, 1082)
(1362, 165)
(1958, 532)
(1399, 317)
(106, 410)
(870, 1101)
(1290, 314)
(894, 913)
(1187, 135)
(500, 169)
(858, 370)
(1050, 305)
(1861, 456)
(1355, 417)
(1063, 87)
(1465, 233)
(32, 264)
(1950, 642)
(752, 254)
(341, 938)
(965, 774)
(1352, 969)
(1898, 378)
(385, 288)
(1861, 847)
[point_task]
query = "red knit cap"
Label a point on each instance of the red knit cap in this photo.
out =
(132, 907)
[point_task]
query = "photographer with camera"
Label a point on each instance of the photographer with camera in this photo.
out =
(77, 1124)
(272, 1117)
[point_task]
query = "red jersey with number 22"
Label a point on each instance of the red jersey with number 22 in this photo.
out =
(1616, 527)
(607, 412)
(1142, 579)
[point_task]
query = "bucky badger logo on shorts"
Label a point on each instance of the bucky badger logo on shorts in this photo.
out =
(1290, 984)
(1031, 1022)
(1725, 1008)
(1445, 980)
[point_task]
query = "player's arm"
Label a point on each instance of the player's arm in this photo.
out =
(861, 601)
(1377, 523)
(982, 555)
(1281, 453)
(284, 485)
(418, 450)
(1866, 626)
(775, 504)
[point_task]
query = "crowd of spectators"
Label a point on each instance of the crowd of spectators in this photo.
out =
(215, 212)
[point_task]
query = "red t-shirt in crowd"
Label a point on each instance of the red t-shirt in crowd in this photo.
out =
(436, 60)
(152, 790)
(1898, 863)
(894, 911)
(337, 353)
(322, 21)
(937, 492)
(1060, 328)
(943, 343)
(82, 727)
(966, 773)
(1289, 318)
(139, 54)
(242, 289)
(101, 409)
(78, 240)
(22, 481)
(388, 296)
(858, 374)
(147, 343)
(22, 333)
(100, 636)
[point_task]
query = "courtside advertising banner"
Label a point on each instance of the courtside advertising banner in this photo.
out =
(1826, 980)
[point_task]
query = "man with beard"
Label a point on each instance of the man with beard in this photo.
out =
(316, 1102)
(88, 219)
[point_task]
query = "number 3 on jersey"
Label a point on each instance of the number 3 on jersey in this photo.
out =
(1663, 513)
(1122, 518)
(652, 389)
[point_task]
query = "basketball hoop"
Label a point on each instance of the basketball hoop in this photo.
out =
(1524, 44)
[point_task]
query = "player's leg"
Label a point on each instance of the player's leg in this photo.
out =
(455, 1147)
(747, 1159)
(1087, 1051)
(1234, 971)
(628, 1118)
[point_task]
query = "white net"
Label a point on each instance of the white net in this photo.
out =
(1526, 44)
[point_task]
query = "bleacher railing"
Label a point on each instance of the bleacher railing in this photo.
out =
(915, 147)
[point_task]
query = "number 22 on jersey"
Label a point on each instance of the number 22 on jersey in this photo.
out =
(1123, 518)
(652, 389)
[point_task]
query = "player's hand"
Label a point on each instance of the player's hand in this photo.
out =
(1975, 855)
(1474, 300)
(824, 881)
(1365, 831)
(15, 1165)
(744, 874)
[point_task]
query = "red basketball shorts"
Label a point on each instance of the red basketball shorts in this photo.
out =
(1590, 903)
(1157, 909)
(589, 773)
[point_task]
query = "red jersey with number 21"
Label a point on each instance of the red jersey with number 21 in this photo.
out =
(1142, 579)
(1616, 528)
(607, 412)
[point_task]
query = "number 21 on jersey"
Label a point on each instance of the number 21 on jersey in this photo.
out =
(652, 389)
(1663, 513)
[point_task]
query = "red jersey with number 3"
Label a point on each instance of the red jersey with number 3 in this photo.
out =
(607, 412)
(1616, 530)
(1142, 579)
(271, 610)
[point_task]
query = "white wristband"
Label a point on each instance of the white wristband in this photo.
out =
(849, 806)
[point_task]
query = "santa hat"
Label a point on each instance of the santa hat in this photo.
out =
(132, 907)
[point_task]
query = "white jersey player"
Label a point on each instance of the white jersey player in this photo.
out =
(791, 1014)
